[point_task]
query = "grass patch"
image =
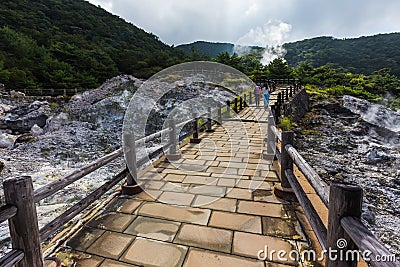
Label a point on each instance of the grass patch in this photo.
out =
(286, 124)
(317, 92)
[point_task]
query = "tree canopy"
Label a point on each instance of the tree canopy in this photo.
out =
(71, 43)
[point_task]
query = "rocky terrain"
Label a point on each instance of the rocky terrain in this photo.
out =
(48, 138)
(350, 139)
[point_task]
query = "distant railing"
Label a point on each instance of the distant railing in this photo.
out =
(50, 91)
(344, 203)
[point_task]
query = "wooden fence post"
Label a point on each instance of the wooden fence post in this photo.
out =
(245, 100)
(130, 157)
(173, 154)
(219, 114)
(286, 160)
(235, 108)
(195, 139)
(250, 98)
(228, 108)
(344, 200)
(131, 187)
(270, 134)
(24, 229)
(209, 121)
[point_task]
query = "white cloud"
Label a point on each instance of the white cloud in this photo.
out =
(179, 21)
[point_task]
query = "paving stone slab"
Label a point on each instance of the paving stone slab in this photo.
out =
(113, 221)
(175, 213)
(204, 237)
(159, 229)
(249, 245)
(261, 208)
(192, 179)
(287, 228)
(205, 258)
(215, 203)
(176, 198)
(112, 263)
(84, 238)
(208, 190)
(234, 221)
(86, 260)
(239, 193)
(146, 252)
(110, 245)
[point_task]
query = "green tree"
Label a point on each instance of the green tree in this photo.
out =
(279, 69)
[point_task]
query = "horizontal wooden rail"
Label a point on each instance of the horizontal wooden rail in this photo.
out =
(61, 183)
(7, 212)
(11, 258)
(366, 241)
(69, 214)
(312, 215)
(276, 132)
(312, 176)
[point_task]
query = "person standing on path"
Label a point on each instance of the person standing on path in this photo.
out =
(257, 93)
(266, 93)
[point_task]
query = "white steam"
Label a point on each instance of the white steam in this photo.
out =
(271, 36)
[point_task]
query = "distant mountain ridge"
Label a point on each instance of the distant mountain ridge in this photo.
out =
(212, 49)
(207, 48)
(358, 55)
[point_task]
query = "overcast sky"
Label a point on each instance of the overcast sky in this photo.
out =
(257, 22)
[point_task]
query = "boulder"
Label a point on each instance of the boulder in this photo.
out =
(23, 118)
(7, 140)
(36, 130)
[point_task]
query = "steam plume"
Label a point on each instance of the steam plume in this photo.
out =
(270, 36)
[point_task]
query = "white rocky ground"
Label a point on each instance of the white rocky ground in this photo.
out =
(74, 133)
(341, 145)
(355, 141)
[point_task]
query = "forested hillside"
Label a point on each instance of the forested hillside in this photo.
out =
(359, 55)
(71, 43)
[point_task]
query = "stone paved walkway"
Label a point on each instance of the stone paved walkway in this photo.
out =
(214, 207)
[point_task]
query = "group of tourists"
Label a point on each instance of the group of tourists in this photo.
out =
(265, 91)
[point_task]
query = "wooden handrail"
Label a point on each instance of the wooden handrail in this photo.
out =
(61, 183)
(11, 258)
(314, 219)
(367, 242)
(55, 224)
(10, 211)
(7, 212)
(312, 176)
(276, 132)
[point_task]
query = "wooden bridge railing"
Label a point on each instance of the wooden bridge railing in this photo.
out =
(20, 209)
(347, 237)
(50, 91)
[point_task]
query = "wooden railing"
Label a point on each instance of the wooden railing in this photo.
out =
(50, 91)
(20, 209)
(344, 203)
